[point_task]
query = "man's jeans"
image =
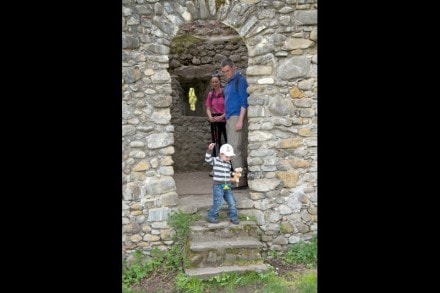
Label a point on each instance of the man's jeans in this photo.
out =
(219, 194)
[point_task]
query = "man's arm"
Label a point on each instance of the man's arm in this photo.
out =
(239, 124)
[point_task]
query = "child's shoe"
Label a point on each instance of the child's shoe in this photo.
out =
(235, 221)
(213, 221)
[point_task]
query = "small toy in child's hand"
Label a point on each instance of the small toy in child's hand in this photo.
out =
(236, 175)
(226, 186)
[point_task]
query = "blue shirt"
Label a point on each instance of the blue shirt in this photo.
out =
(235, 100)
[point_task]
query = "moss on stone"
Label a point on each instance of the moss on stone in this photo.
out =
(219, 3)
(180, 44)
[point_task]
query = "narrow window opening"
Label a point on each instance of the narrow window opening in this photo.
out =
(192, 99)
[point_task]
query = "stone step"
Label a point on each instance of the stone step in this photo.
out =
(192, 203)
(207, 272)
(225, 252)
(224, 244)
(203, 231)
(223, 247)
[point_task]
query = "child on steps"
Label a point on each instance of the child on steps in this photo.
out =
(221, 188)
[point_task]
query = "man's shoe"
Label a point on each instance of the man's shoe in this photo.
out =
(211, 174)
(213, 221)
(235, 222)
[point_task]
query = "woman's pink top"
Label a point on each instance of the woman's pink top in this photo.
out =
(217, 103)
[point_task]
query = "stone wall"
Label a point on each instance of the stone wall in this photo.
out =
(280, 44)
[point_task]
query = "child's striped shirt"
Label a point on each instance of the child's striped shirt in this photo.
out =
(221, 169)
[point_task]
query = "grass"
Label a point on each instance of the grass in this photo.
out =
(172, 262)
(308, 283)
(303, 253)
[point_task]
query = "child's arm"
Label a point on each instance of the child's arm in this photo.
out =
(208, 155)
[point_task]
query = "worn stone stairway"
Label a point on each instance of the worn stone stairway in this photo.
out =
(213, 249)
(219, 248)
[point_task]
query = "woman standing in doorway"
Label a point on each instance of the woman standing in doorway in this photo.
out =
(215, 109)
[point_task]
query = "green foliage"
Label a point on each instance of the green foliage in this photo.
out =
(175, 258)
(126, 289)
(308, 283)
(189, 284)
(303, 253)
(274, 254)
(180, 223)
(224, 280)
(136, 272)
(165, 261)
(267, 280)
(230, 282)
(278, 287)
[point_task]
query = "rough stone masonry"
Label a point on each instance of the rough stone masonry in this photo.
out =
(280, 38)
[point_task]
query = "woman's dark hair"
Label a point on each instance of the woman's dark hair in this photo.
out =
(216, 74)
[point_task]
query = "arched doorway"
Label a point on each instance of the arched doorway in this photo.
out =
(196, 53)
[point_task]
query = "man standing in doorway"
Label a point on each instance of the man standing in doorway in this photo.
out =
(236, 105)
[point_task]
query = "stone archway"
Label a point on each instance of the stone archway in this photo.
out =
(281, 41)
